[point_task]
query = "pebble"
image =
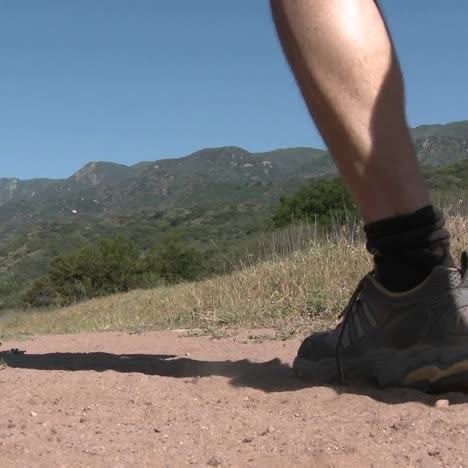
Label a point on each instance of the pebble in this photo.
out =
(33, 414)
(268, 430)
(442, 403)
(214, 461)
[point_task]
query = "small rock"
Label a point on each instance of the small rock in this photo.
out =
(247, 439)
(33, 414)
(82, 420)
(442, 403)
(157, 430)
(268, 430)
(214, 461)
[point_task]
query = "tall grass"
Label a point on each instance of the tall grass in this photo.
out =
(299, 279)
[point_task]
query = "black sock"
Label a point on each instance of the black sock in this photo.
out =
(407, 248)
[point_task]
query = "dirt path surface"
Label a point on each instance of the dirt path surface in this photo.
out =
(165, 399)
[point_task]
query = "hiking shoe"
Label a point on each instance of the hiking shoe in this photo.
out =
(417, 339)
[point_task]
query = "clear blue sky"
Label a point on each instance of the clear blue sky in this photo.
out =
(126, 80)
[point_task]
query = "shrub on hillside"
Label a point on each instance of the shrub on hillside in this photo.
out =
(177, 262)
(112, 265)
(41, 294)
(325, 201)
(104, 268)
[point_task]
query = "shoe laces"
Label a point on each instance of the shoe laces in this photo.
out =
(345, 316)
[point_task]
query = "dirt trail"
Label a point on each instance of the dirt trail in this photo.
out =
(164, 399)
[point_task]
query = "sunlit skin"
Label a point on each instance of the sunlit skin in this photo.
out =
(344, 62)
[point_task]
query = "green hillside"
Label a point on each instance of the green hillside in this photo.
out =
(210, 177)
(219, 200)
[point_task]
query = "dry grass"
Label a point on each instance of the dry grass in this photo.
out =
(305, 288)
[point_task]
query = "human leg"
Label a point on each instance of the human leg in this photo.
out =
(347, 70)
(345, 64)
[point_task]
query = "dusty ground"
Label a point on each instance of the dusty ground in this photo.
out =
(165, 399)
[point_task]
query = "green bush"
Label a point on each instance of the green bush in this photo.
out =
(112, 265)
(325, 201)
(104, 268)
(176, 262)
(42, 293)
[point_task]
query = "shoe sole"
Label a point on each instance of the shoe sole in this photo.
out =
(426, 368)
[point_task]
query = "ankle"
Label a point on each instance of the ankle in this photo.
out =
(407, 248)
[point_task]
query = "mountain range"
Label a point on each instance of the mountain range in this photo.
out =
(210, 177)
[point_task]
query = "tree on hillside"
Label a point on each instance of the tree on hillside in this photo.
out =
(114, 264)
(324, 201)
(175, 261)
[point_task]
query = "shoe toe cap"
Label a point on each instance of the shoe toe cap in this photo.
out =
(317, 346)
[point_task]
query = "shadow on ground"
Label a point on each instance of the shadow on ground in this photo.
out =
(269, 376)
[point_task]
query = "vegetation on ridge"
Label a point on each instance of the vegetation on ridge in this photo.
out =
(221, 202)
(305, 287)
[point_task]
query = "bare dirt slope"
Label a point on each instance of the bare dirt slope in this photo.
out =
(164, 399)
